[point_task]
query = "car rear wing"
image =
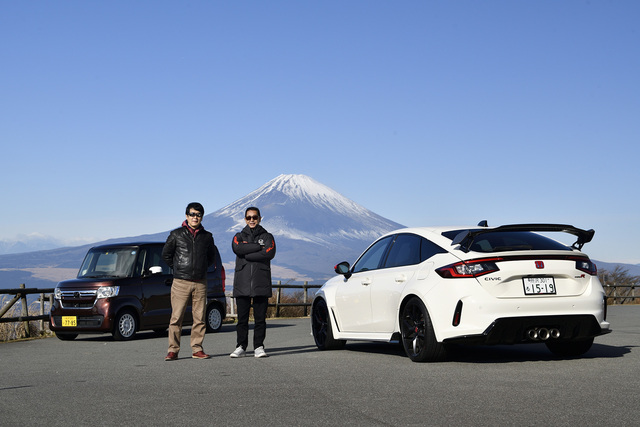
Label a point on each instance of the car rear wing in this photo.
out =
(466, 238)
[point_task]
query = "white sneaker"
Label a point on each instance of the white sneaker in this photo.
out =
(238, 352)
(259, 352)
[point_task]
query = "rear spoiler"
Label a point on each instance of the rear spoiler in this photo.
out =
(466, 238)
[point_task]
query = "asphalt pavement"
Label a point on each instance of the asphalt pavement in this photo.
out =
(97, 381)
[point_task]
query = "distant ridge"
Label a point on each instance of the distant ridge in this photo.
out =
(315, 227)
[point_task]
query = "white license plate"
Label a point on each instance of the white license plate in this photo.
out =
(539, 286)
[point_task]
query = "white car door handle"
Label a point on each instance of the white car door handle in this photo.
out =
(401, 278)
(366, 282)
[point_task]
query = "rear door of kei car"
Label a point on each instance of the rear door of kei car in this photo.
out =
(156, 288)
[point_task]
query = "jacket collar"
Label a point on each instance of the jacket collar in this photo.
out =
(193, 231)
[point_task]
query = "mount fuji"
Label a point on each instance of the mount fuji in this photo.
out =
(314, 227)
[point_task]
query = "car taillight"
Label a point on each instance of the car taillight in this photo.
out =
(587, 266)
(466, 269)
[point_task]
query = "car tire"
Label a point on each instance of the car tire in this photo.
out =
(571, 348)
(66, 336)
(321, 328)
(418, 338)
(214, 318)
(125, 327)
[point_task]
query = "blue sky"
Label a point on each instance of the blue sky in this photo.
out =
(115, 115)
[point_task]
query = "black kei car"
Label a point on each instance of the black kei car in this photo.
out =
(125, 288)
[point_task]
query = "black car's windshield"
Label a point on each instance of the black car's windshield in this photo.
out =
(503, 241)
(107, 263)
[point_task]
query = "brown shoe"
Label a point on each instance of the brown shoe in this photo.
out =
(171, 356)
(200, 355)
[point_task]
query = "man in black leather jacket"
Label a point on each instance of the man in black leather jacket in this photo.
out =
(254, 248)
(189, 251)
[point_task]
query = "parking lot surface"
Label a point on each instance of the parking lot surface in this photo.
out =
(97, 381)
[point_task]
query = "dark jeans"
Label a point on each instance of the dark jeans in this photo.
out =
(260, 305)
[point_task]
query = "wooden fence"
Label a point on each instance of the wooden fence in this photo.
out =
(621, 294)
(278, 304)
(20, 294)
(46, 296)
(616, 294)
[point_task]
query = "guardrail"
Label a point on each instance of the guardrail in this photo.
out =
(278, 304)
(613, 293)
(46, 295)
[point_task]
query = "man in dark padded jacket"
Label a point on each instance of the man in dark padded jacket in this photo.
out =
(254, 248)
(189, 251)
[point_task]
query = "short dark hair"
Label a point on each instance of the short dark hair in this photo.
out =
(252, 208)
(195, 206)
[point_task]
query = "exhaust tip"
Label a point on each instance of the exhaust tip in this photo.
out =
(543, 334)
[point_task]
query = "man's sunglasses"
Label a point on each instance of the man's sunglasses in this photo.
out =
(192, 214)
(250, 217)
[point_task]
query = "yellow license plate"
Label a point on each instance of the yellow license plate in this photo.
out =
(69, 321)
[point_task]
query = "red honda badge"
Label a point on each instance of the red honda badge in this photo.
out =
(539, 264)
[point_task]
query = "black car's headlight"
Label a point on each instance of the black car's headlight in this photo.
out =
(107, 291)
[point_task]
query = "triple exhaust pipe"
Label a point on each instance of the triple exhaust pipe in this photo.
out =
(543, 334)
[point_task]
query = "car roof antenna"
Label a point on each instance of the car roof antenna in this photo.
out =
(483, 223)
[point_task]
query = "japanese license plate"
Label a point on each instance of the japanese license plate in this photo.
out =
(539, 286)
(69, 321)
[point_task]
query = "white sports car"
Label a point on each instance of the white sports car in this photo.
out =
(429, 287)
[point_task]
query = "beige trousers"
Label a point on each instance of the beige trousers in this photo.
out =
(181, 292)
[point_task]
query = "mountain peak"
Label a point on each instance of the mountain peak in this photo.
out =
(301, 205)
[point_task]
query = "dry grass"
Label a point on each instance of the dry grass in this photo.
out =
(285, 298)
(295, 297)
(11, 331)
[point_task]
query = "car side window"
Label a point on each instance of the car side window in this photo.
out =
(154, 259)
(405, 251)
(137, 272)
(372, 258)
(429, 249)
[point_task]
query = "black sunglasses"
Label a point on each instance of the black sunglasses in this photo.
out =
(250, 217)
(192, 214)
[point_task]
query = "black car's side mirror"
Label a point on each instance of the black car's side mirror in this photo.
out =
(343, 269)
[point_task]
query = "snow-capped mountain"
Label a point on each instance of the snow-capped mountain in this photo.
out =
(314, 226)
(299, 208)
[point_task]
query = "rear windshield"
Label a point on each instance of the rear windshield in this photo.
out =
(502, 241)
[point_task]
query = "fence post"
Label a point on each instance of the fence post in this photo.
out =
(25, 311)
(304, 297)
(278, 293)
(42, 312)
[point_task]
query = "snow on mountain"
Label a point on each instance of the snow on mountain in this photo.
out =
(315, 227)
(299, 208)
(32, 242)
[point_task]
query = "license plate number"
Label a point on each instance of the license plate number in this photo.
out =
(69, 321)
(539, 286)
